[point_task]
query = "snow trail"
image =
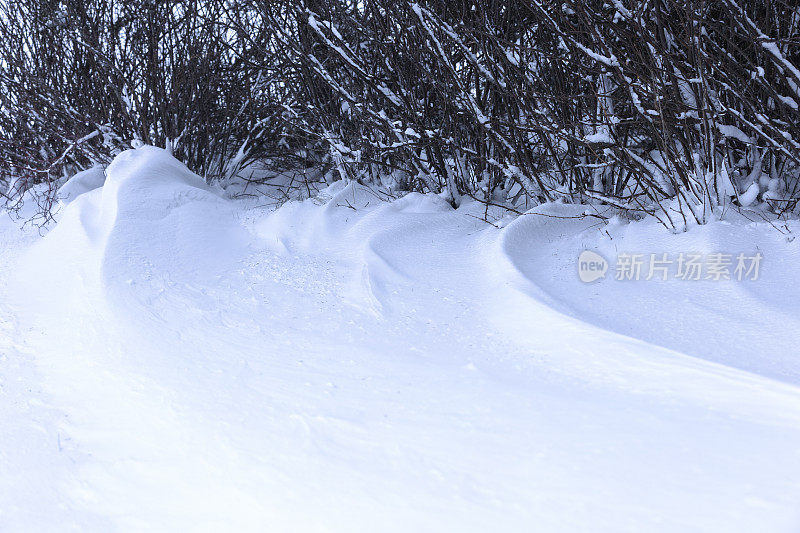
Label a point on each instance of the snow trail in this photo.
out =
(351, 364)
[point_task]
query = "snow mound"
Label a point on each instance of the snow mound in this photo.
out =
(82, 182)
(421, 203)
(153, 218)
(526, 272)
(367, 228)
(724, 321)
(397, 357)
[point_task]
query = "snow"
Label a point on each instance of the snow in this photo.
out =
(733, 132)
(771, 47)
(81, 183)
(174, 360)
(607, 61)
(601, 137)
(750, 194)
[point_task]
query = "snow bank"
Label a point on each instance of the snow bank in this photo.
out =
(668, 348)
(744, 324)
(151, 216)
(367, 228)
(82, 182)
(357, 362)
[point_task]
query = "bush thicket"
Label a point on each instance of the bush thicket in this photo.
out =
(670, 107)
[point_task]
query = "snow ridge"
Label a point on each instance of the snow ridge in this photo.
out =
(196, 363)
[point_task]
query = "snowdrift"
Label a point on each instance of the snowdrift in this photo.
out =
(748, 324)
(531, 260)
(125, 247)
(152, 222)
(81, 183)
(179, 360)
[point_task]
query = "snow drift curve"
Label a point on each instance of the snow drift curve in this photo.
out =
(153, 223)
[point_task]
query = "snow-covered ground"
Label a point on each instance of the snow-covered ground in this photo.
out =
(173, 360)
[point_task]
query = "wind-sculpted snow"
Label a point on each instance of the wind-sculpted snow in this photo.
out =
(525, 276)
(172, 360)
(152, 215)
(725, 321)
(81, 183)
(362, 226)
(536, 254)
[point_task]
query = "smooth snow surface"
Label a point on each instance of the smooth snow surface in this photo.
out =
(81, 183)
(172, 360)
